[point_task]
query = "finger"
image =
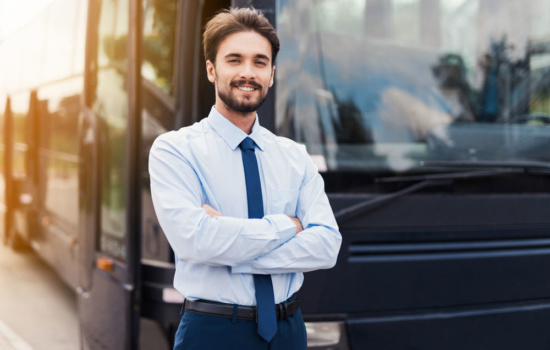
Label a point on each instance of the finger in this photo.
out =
(211, 211)
(298, 224)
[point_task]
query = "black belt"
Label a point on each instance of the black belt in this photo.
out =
(285, 309)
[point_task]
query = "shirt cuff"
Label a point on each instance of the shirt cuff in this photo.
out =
(284, 225)
(286, 229)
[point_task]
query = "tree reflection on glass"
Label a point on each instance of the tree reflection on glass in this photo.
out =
(111, 107)
(159, 35)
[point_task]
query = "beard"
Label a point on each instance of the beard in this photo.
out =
(244, 106)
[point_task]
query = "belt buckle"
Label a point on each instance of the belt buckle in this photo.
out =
(281, 311)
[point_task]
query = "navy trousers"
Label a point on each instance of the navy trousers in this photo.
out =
(205, 332)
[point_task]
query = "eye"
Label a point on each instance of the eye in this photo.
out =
(261, 63)
(234, 61)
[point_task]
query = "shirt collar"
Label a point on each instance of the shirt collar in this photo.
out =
(231, 134)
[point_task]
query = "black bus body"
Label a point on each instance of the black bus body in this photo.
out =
(428, 120)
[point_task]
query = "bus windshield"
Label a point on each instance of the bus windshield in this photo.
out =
(384, 85)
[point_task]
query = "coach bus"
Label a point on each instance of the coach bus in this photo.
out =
(429, 121)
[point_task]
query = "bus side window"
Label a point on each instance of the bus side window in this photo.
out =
(159, 37)
(110, 105)
(58, 110)
(158, 107)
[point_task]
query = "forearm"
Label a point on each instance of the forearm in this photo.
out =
(312, 249)
(196, 237)
(316, 247)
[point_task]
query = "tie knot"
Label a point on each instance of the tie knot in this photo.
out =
(247, 144)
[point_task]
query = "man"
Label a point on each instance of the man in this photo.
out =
(244, 211)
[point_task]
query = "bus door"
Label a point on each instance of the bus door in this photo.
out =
(108, 294)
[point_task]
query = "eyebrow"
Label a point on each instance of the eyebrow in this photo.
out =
(238, 55)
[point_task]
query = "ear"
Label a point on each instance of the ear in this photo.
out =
(211, 71)
(272, 76)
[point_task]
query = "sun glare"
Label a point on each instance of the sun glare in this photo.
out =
(14, 14)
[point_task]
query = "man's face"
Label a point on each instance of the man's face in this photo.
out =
(243, 71)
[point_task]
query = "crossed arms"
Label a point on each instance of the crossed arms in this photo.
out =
(201, 235)
(213, 213)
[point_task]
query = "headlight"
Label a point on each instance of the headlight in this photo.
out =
(326, 336)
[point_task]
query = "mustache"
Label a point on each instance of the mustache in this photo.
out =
(238, 83)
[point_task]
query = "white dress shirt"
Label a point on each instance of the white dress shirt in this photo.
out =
(216, 256)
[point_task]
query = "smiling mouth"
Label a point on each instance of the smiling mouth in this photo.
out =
(246, 86)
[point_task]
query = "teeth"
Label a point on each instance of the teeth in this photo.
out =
(243, 88)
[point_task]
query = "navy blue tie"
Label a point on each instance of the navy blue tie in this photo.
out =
(265, 301)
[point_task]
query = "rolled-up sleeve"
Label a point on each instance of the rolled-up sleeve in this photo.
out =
(194, 236)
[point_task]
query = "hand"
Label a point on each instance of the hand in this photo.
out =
(298, 224)
(211, 211)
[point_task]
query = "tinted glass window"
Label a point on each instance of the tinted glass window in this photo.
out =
(111, 107)
(384, 85)
(58, 111)
(159, 37)
(20, 133)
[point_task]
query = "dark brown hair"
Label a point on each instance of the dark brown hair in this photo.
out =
(235, 20)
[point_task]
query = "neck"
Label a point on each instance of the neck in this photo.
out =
(243, 121)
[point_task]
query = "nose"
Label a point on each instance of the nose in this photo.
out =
(248, 71)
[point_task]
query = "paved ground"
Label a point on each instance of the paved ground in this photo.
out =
(37, 311)
(9, 340)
